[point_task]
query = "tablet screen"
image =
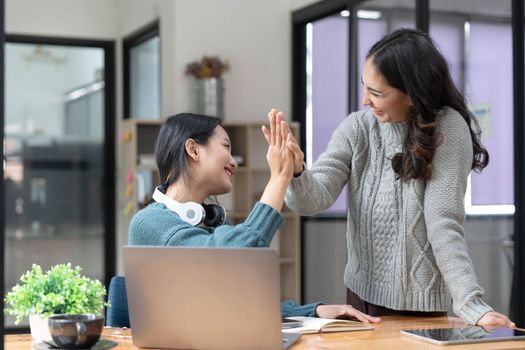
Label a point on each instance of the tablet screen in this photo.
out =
(465, 335)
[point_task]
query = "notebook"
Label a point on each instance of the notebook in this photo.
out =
(204, 298)
(325, 325)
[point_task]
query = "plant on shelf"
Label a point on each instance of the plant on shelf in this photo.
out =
(61, 290)
(207, 67)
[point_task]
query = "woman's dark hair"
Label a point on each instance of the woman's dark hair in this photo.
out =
(170, 148)
(410, 62)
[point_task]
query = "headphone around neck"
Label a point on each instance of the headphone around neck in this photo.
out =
(211, 215)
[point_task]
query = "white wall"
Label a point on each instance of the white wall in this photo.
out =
(299, 4)
(254, 36)
(63, 18)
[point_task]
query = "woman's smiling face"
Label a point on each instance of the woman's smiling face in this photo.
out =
(217, 165)
(389, 104)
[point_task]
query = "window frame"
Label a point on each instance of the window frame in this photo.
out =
(109, 179)
(129, 42)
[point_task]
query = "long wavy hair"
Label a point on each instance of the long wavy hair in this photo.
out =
(410, 62)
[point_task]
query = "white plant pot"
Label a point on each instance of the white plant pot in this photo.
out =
(39, 328)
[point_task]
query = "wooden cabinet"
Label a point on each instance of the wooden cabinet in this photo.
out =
(249, 148)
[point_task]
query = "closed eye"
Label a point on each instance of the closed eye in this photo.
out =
(371, 91)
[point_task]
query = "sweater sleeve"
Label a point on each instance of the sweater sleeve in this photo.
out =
(444, 211)
(318, 187)
(289, 308)
(256, 231)
(163, 227)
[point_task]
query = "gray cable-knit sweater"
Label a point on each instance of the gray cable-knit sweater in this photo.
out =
(405, 240)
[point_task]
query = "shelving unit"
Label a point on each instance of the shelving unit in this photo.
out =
(139, 177)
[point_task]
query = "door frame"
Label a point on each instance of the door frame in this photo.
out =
(109, 177)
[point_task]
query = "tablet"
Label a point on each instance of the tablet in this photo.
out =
(449, 336)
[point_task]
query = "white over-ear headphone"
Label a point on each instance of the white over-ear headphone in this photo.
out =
(191, 212)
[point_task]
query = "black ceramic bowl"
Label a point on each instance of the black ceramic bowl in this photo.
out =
(75, 331)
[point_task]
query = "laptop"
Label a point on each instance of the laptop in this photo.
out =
(204, 298)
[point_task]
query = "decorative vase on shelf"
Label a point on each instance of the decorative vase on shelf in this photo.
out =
(210, 87)
(210, 97)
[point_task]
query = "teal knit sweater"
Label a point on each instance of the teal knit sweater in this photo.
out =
(159, 226)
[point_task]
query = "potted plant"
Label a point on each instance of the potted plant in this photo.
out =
(61, 290)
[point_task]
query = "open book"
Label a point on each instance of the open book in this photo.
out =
(319, 325)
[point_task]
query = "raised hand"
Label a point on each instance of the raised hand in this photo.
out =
(298, 155)
(279, 157)
(281, 161)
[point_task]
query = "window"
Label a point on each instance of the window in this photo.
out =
(328, 85)
(462, 30)
(485, 76)
(142, 74)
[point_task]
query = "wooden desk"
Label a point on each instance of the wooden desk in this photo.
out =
(385, 336)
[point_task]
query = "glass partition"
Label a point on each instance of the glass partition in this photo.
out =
(54, 159)
(476, 39)
(327, 87)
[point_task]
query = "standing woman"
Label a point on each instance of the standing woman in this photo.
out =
(406, 160)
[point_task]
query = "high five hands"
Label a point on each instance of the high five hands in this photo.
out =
(277, 118)
(279, 157)
(280, 160)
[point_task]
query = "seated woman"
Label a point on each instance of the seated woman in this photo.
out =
(193, 156)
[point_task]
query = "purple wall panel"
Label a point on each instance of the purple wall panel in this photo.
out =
(329, 79)
(489, 81)
(447, 37)
(329, 85)
(369, 31)
(403, 19)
